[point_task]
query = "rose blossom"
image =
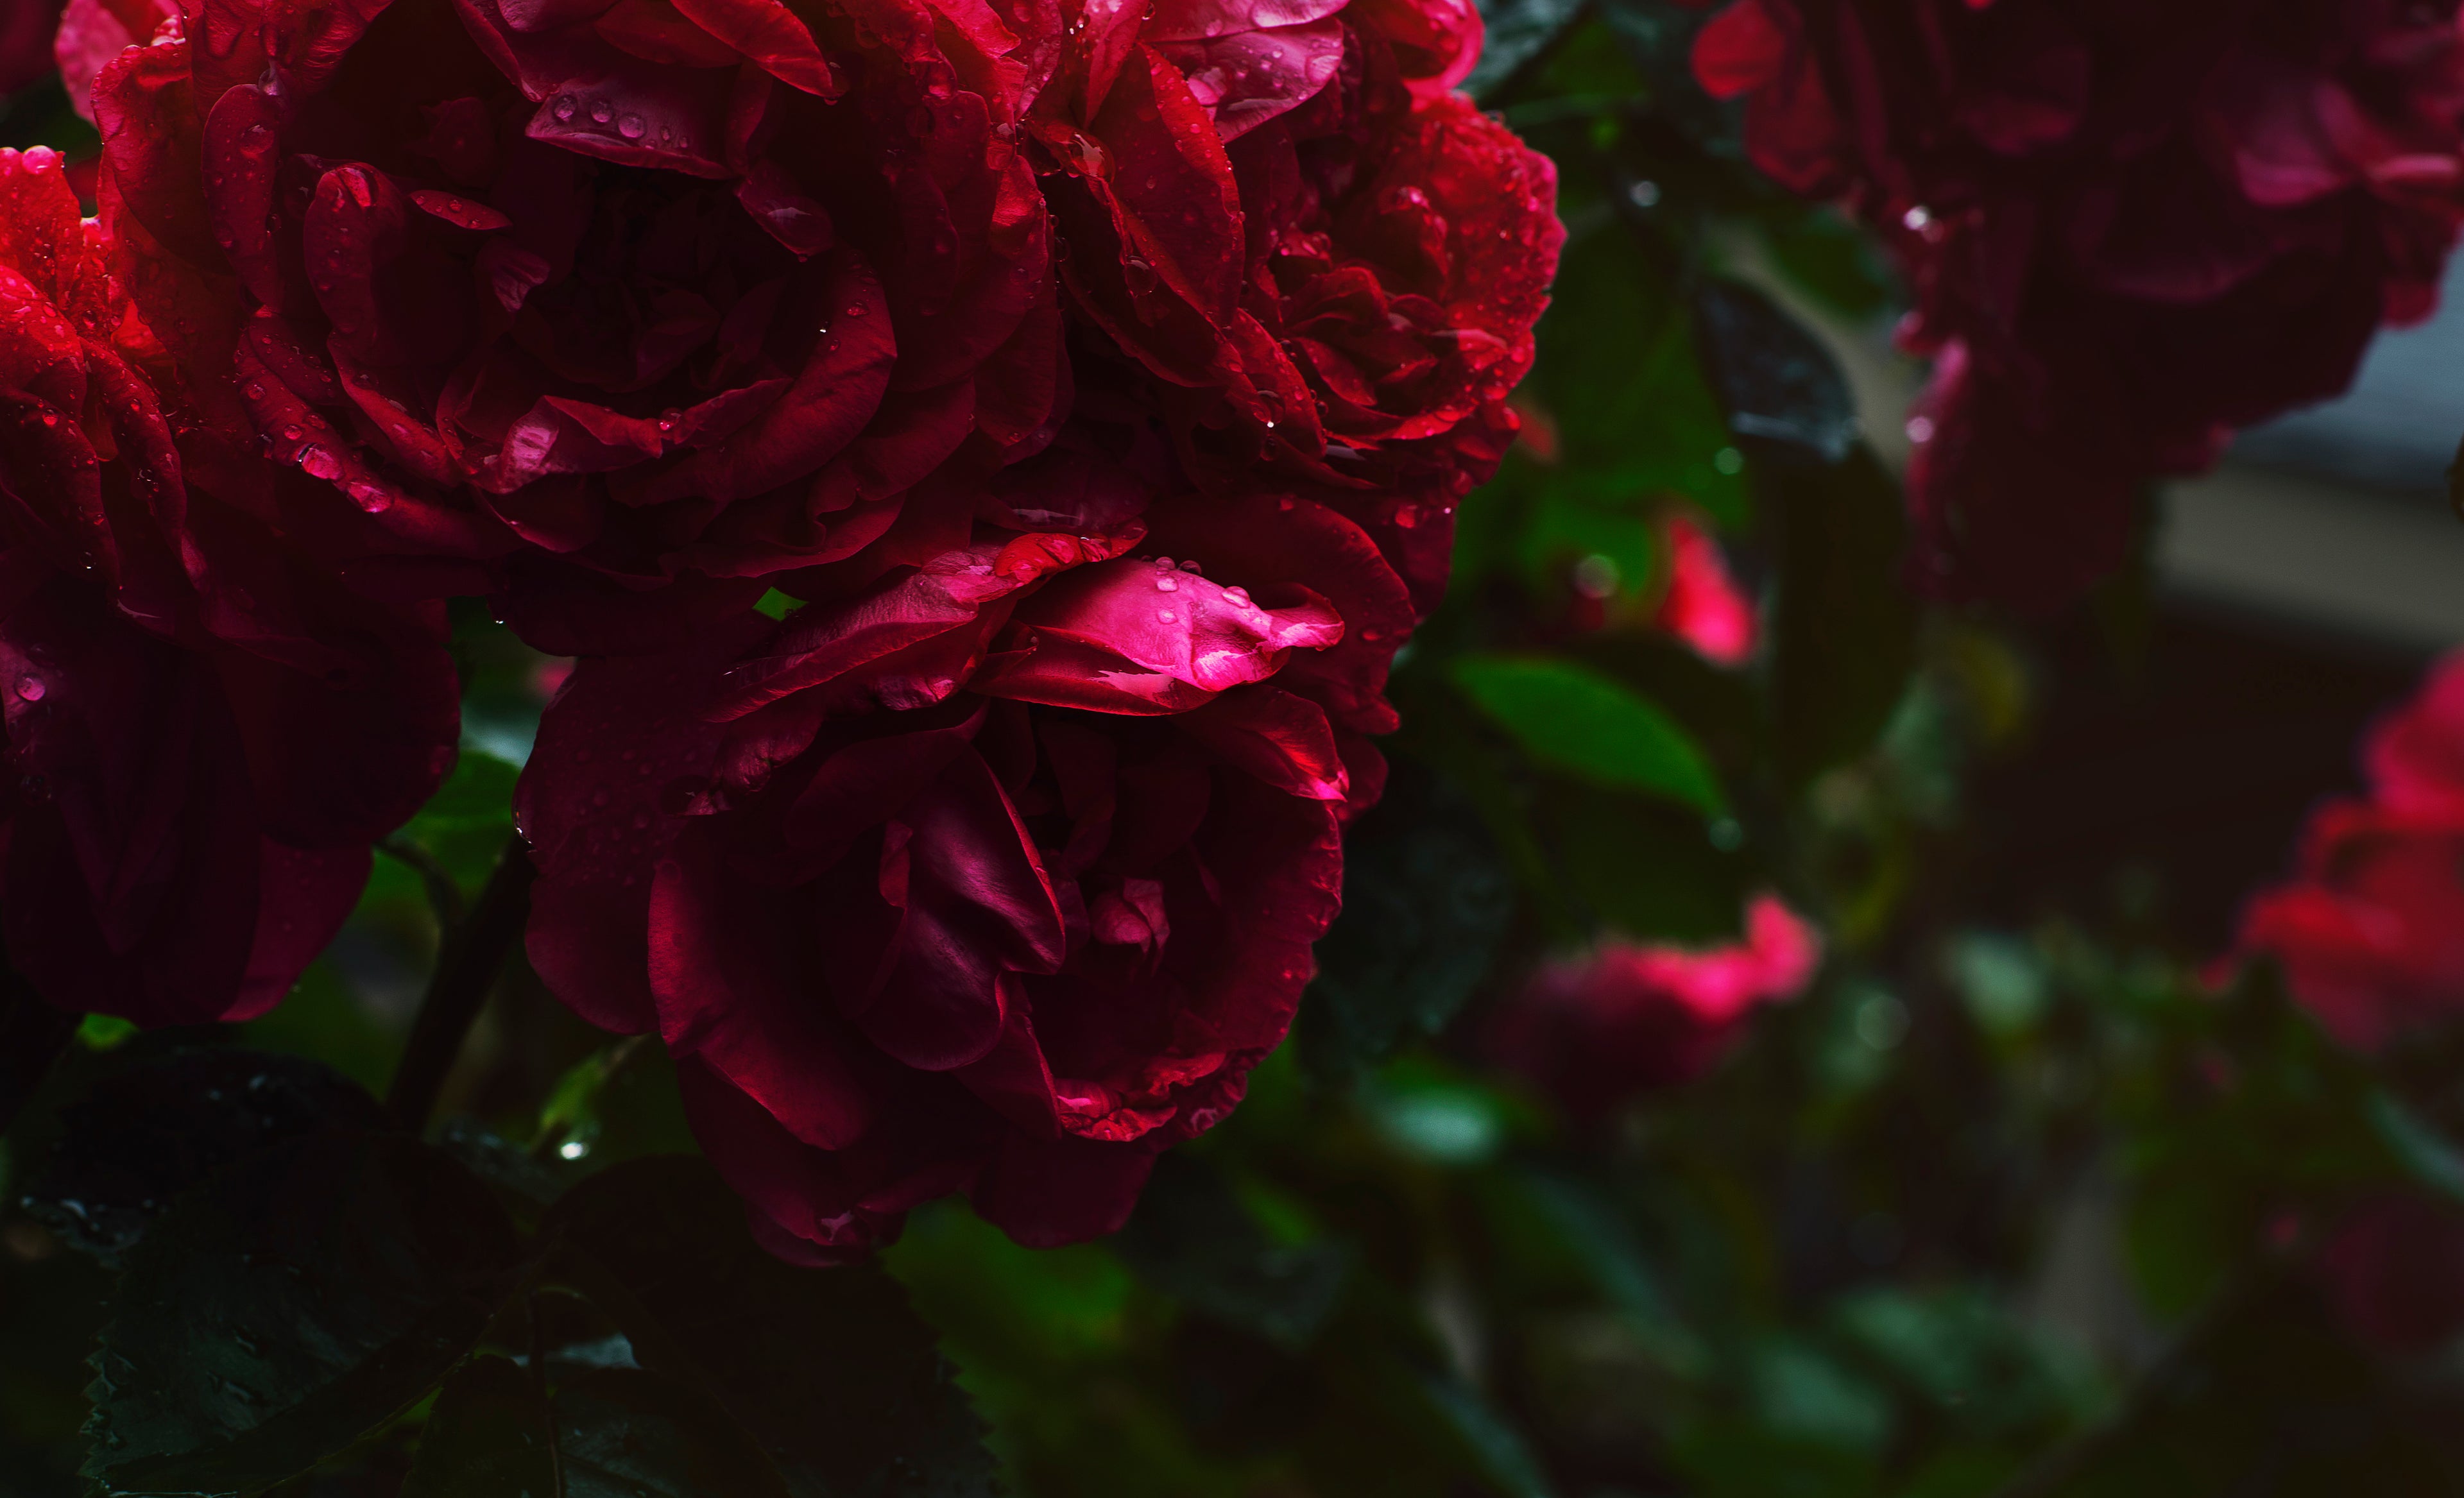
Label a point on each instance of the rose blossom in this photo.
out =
(2369, 933)
(656, 299)
(1324, 261)
(998, 876)
(92, 32)
(205, 730)
(1630, 1017)
(2129, 230)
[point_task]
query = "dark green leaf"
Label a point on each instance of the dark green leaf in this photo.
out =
(1193, 1239)
(627, 1433)
(314, 1291)
(661, 1244)
(2427, 1154)
(487, 1436)
(1782, 390)
(1427, 898)
(142, 1136)
(1845, 625)
(1648, 869)
(1579, 722)
(1517, 31)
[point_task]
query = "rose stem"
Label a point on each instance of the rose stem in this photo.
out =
(466, 970)
(32, 1036)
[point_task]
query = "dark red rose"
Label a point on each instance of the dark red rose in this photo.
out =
(1628, 1017)
(1324, 261)
(205, 729)
(657, 297)
(26, 28)
(2129, 228)
(2415, 754)
(2394, 1274)
(997, 876)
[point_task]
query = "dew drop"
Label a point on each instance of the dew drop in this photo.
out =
(563, 107)
(632, 127)
(1166, 585)
(602, 112)
(1166, 615)
(30, 689)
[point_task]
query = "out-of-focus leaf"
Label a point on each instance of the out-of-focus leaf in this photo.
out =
(2427, 1154)
(1605, 1246)
(1427, 898)
(1194, 1239)
(1647, 868)
(465, 825)
(1659, 36)
(314, 1291)
(1499, 1449)
(1577, 720)
(1820, 250)
(1517, 31)
(1620, 376)
(1844, 628)
(487, 1436)
(1737, 1458)
(145, 1134)
(1782, 389)
(661, 1245)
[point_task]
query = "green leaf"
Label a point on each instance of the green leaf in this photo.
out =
(1427, 898)
(2426, 1153)
(309, 1295)
(1579, 722)
(1193, 1239)
(1517, 31)
(1844, 627)
(1782, 389)
(661, 1247)
(146, 1133)
(487, 1436)
(630, 1433)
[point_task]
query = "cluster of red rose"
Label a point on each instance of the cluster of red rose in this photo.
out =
(1096, 380)
(2130, 228)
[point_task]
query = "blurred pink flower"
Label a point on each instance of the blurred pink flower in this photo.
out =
(1704, 607)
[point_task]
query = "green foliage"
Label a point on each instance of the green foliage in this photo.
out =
(1573, 718)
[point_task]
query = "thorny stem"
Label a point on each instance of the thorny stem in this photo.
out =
(466, 970)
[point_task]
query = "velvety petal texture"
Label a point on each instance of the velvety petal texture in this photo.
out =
(206, 728)
(2130, 230)
(998, 876)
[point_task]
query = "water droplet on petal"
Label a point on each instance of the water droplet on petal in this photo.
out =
(1165, 586)
(31, 688)
(563, 107)
(602, 112)
(1166, 615)
(632, 127)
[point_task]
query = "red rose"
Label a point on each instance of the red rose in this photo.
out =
(2370, 931)
(205, 730)
(1630, 1018)
(1324, 261)
(999, 875)
(677, 294)
(2130, 230)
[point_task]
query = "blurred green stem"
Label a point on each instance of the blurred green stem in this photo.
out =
(467, 963)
